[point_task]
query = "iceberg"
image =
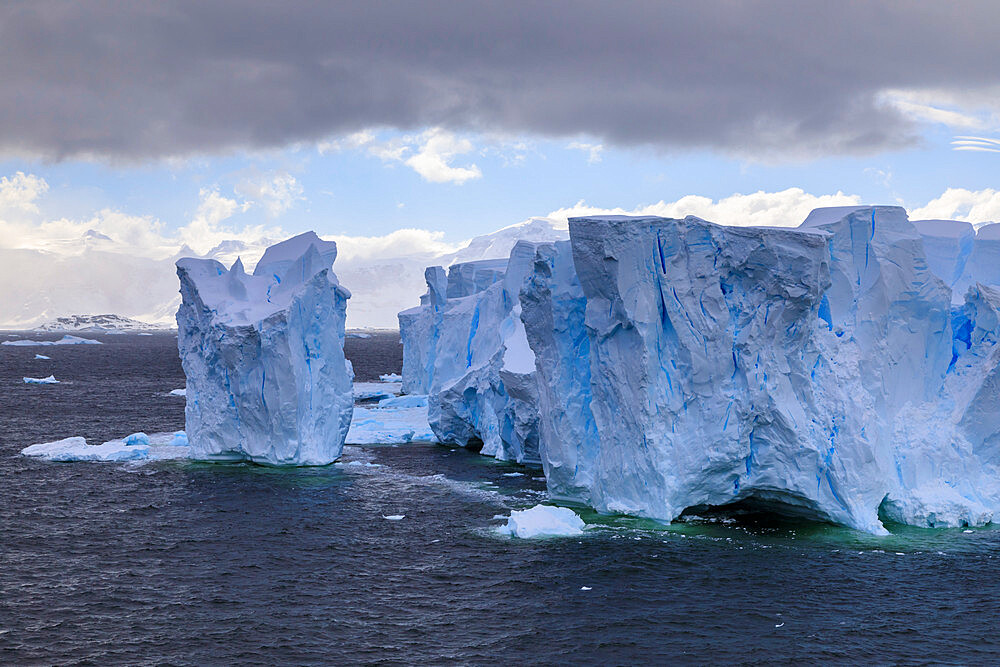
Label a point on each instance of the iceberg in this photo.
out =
(466, 348)
(65, 340)
(821, 370)
(46, 380)
(267, 380)
(542, 521)
(390, 377)
(178, 392)
(41, 356)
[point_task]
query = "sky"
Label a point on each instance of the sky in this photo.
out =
(160, 125)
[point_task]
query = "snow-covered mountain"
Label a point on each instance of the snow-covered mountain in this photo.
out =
(92, 276)
(107, 322)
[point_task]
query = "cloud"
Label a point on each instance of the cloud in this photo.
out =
(276, 191)
(593, 150)
(961, 204)
(19, 192)
(133, 81)
(981, 144)
(430, 153)
(433, 160)
(786, 208)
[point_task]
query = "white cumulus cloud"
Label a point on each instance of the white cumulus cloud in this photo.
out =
(961, 204)
(786, 208)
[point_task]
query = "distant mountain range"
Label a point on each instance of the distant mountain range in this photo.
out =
(90, 277)
(107, 322)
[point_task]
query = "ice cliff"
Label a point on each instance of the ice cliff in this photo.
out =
(267, 380)
(820, 370)
(465, 347)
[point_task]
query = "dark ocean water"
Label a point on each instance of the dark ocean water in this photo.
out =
(195, 564)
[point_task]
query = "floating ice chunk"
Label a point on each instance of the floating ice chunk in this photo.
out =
(65, 340)
(134, 439)
(41, 356)
(46, 380)
(409, 401)
(267, 380)
(178, 392)
(369, 391)
(77, 449)
(394, 517)
(371, 426)
(155, 447)
(543, 521)
(586, 588)
(391, 377)
(357, 334)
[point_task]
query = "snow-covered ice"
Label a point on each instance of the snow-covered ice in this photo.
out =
(543, 521)
(392, 425)
(408, 401)
(155, 447)
(65, 340)
(267, 380)
(46, 380)
(821, 370)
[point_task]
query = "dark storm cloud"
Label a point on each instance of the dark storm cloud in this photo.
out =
(124, 80)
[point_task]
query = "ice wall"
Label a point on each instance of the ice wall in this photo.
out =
(466, 348)
(684, 364)
(267, 380)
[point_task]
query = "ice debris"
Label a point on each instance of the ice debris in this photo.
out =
(394, 425)
(65, 340)
(178, 392)
(45, 380)
(390, 377)
(155, 447)
(41, 356)
(267, 380)
(543, 521)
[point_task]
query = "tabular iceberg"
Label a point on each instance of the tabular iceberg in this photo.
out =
(465, 347)
(820, 370)
(267, 380)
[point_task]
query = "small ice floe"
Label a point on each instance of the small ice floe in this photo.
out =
(357, 334)
(370, 391)
(144, 333)
(178, 392)
(968, 531)
(542, 521)
(586, 588)
(391, 377)
(65, 340)
(513, 474)
(779, 625)
(394, 517)
(41, 356)
(47, 380)
(411, 401)
(134, 447)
